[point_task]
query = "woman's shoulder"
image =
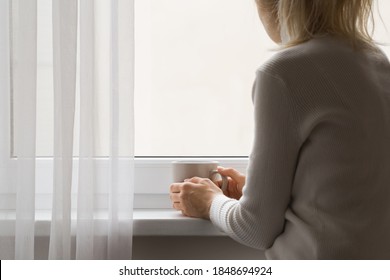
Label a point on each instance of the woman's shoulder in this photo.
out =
(319, 54)
(300, 57)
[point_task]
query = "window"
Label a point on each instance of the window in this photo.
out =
(195, 65)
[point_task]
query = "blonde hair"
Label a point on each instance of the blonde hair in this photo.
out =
(301, 20)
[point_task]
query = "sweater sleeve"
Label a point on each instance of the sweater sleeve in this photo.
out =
(258, 218)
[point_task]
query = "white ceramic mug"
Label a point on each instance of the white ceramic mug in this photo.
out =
(205, 169)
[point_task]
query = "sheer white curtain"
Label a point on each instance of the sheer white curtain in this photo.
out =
(91, 193)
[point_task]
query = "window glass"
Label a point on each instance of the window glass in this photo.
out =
(195, 66)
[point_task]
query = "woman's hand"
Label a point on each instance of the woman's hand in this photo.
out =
(236, 182)
(194, 197)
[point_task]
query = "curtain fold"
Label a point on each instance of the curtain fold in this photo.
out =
(92, 165)
(122, 122)
(87, 183)
(7, 173)
(64, 76)
(24, 65)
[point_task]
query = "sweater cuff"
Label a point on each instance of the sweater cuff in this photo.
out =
(219, 211)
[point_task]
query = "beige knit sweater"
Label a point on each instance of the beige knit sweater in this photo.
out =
(318, 180)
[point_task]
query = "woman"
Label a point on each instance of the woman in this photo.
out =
(318, 180)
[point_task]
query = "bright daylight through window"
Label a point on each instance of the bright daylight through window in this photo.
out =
(195, 66)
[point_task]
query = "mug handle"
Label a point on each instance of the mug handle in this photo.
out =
(224, 179)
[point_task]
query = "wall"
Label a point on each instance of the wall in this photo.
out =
(193, 248)
(176, 248)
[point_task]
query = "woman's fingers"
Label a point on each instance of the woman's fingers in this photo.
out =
(176, 205)
(231, 172)
(197, 180)
(238, 177)
(180, 190)
(175, 195)
(176, 187)
(194, 196)
(236, 182)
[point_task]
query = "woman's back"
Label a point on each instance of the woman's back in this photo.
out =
(340, 108)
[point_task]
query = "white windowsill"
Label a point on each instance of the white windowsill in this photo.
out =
(167, 222)
(147, 222)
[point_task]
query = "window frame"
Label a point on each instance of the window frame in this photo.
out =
(152, 178)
